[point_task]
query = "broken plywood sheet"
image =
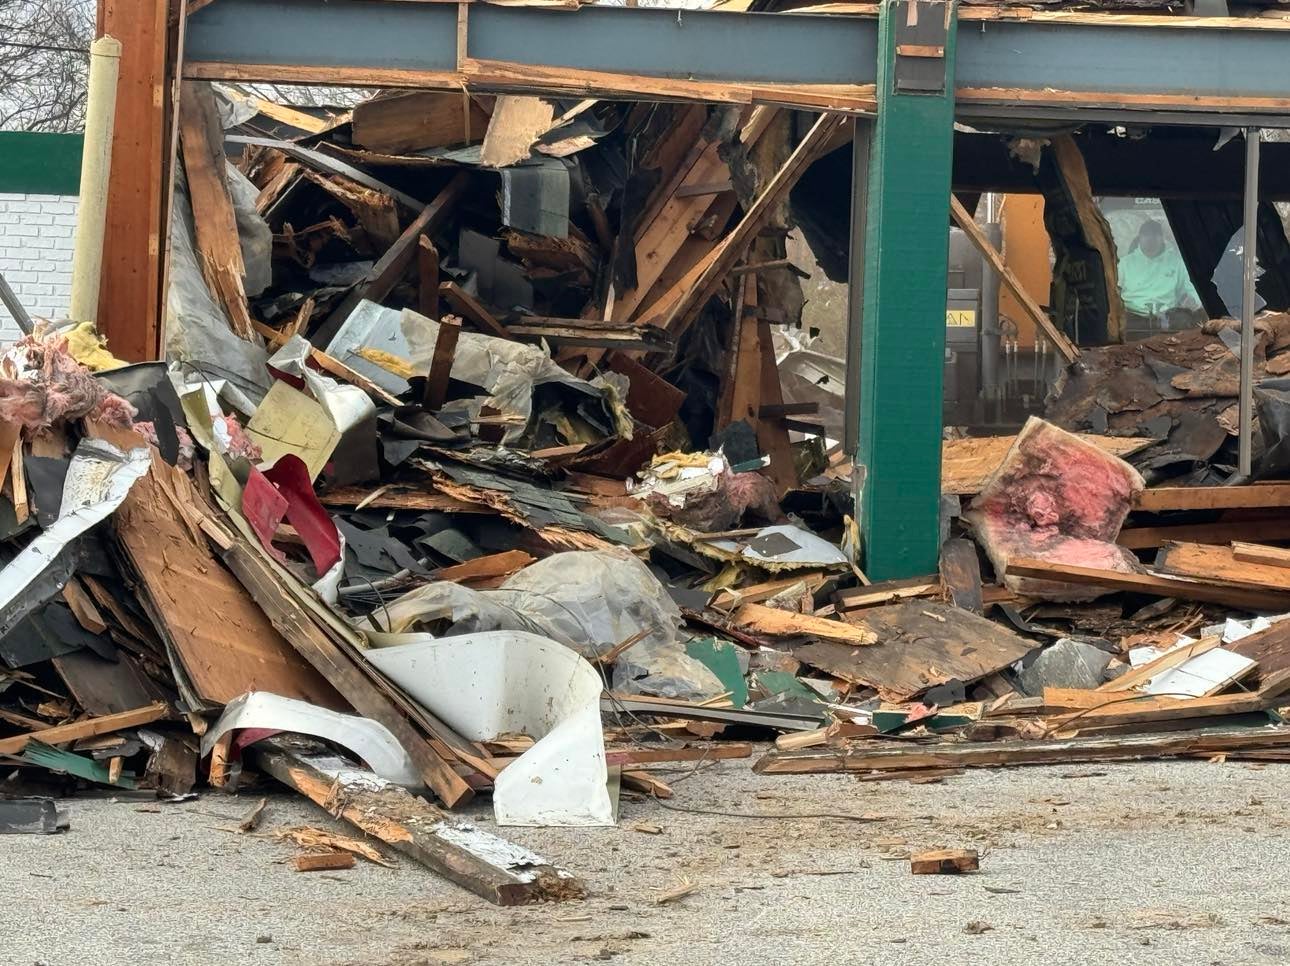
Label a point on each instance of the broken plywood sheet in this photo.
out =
(966, 464)
(223, 641)
(920, 645)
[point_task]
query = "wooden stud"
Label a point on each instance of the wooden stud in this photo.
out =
(445, 349)
(427, 278)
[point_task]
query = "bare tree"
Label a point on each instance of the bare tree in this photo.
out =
(44, 63)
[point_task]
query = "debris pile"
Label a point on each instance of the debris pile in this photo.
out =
(444, 492)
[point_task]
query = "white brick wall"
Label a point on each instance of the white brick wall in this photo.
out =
(36, 254)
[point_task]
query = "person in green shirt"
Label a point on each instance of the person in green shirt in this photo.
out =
(1153, 278)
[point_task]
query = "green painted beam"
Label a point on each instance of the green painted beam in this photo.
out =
(902, 346)
(40, 164)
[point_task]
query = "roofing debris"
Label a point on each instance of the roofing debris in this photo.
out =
(444, 492)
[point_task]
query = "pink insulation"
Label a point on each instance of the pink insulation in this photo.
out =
(724, 507)
(1058, 498)
(56, 387)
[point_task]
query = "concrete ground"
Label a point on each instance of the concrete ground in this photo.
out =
(1148, 863)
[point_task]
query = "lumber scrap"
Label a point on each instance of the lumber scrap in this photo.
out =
(87, 728)
(772, 622)
(323, 861)
(218, 247)
(1260, 554)
(944, 862)
(873, 755)
(1038, 317)
(1262, 495)
(1225, 531)
(1157, 585)
(1173, 658)
(389, 268)
(491, 867)
(470, 308)
(445, 350)
(1143, 709)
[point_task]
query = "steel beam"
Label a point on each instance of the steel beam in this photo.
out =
(898, 461)
(1047, 65)
(1249, 267)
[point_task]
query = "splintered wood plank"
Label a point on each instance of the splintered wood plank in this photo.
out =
(490, 867)
(1158, 585)
(732, 246)
(873, 755)
(1260, 495)
(919, 644)
(1179, 655)
(87, 728)
(1204, 562)
(1093, 226)
(1037, 315)
(219, 249)
(961, 573)
(759, 619)
(224, 641)
(966, 464)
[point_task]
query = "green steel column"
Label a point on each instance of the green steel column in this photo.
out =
(906, 251)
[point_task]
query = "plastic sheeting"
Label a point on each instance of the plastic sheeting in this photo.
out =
(196, 331)
(506, 682)
(253, 232)
(589, 601)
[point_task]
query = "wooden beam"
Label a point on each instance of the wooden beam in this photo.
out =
(130, 294)
(389, 268)
(888, 756)
(470, 307)
(1156, 585)
(1258, 496)
(977, 237)
(87, 728)
(488, 866)
(219, 249)
(427, 278)
(1144, 538)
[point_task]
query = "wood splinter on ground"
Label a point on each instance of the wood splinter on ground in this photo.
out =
(323, 861)
(944, 862)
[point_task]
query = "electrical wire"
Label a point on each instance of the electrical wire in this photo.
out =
(49, 47)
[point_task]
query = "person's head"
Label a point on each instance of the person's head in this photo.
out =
(1151, 238)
